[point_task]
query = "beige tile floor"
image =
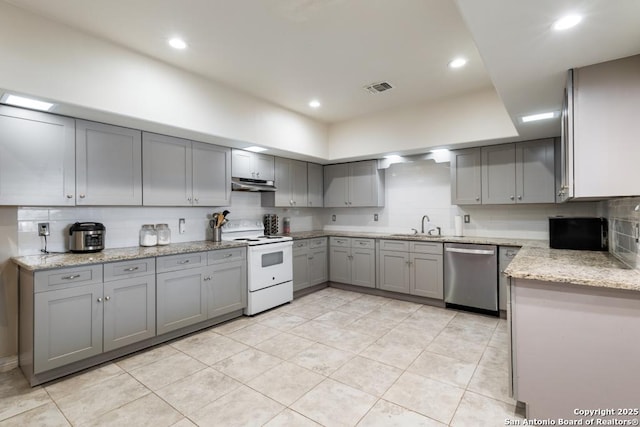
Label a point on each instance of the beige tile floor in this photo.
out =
(332, 358)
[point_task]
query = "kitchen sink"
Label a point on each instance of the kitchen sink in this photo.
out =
(416, 236)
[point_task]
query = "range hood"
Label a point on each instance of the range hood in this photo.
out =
(246, 184)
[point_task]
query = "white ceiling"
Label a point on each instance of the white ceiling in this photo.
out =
(290, 51)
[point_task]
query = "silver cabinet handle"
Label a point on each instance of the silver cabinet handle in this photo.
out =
(258, 174)
(519, 197)
(99, 299)
(196, 200)
(186, 261)
(107, 298)
(299, 245)
(477, 199)
(189, 199)
(69, 196)
(82, 196)
(349, 202)
(469, 251)
(362, 243)
(73, 276)
(511, 197)
(131, 269)
(228, 255)
(207, 278)
(346, 203)
(310, 257)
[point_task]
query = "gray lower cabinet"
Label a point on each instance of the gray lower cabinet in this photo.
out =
(200, 286)
(414, 268)
(505, 255)
(352, 261)
(76, 315)
(309, 263)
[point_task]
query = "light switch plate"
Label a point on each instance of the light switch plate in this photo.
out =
(375, 217)
(333, 217)
(467, 219)
(43, 229)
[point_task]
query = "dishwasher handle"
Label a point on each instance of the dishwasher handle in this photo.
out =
(470, 251)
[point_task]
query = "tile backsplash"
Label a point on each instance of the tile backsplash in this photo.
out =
(624, 229)
(123, 223)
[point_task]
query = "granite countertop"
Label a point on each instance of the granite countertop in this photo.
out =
(59, 260)
(600, 269)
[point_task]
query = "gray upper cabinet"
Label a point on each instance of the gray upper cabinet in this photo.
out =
(167, 170)
(291, 184)
(315, 186)
(179, 172)
(466, 177)
(523, 172)
(605, 129)
(211, 175)
(250, 165)
(108, 165)
(357, 184)
(37, 158)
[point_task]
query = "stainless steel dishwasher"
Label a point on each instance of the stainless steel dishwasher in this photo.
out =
(471, 277)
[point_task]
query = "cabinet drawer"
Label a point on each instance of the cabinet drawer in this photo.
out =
(67, 277)
(180, 262)
(344, 242)
(318, 243)
(127, 269)
(426, 247)
(226, 255)
(394, 245)
(300, 244)
(363, 243)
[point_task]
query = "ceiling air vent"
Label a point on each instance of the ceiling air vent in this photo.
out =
(378, 87)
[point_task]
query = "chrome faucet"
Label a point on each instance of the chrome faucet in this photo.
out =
(428, 220)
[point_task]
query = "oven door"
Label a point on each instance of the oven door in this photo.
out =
(269, 265)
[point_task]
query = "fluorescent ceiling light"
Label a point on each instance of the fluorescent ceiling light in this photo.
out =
(314, 103)
(567, 22)
(457, 63)
(540, 116)
(177, 43)
(441, 155)
(23, 101)
(393, 157)
(256, 149)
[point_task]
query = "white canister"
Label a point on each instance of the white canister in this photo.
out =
(457, 225)
(148, 235)
(164, 234)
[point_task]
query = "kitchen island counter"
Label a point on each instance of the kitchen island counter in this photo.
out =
(60, 260)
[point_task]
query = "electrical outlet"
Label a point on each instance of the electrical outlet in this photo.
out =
(43, 229)
(375, 217)
(467, 219)
(333, 218)
(181, 226)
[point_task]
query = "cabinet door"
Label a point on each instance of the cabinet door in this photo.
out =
(336, 183)
(394, 271)
(108, 165)
(298, 173)
(363, 184)
(181, 299)
(498, 174)
(242, 164)
(301, 268)
(535, 178)
(67, 326)
(427, 276)
(363, 269)
(340, 265)
(318, 272)
(166, 170)
(129, 311)
(263, 166)
(226, 288)
(466, 177)
(284, 182)
(37, 158)
(211, 175)
(315, 187)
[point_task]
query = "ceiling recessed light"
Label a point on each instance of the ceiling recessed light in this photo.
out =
(457, 63)
(177, 43)
(23, 101)
(567, 22)
(314, 103)
(256, 149)
(540, 116)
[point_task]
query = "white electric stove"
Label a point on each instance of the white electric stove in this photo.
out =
(269, 264)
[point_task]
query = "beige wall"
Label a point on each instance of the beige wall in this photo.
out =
(8, 288)
(473, 117)
(101, 81)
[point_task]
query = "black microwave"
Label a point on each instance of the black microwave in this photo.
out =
(580, 233)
